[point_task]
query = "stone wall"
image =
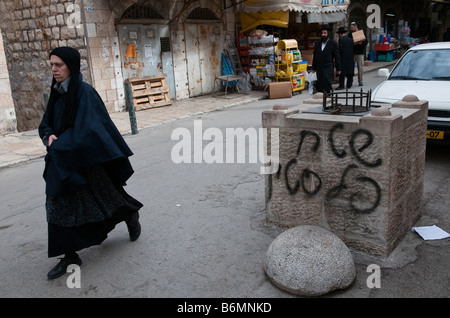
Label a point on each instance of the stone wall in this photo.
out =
(359, 176)
(104, 53)
(8, 120)
(104, 48)
(30, 29)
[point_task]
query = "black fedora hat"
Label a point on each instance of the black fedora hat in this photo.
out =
(325, 27)
(341, 30)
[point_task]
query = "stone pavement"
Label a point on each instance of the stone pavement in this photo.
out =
(16, 148)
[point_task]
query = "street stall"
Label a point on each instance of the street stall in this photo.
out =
(386, 47)
(276, 39)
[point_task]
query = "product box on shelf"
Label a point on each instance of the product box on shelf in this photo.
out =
(301, 66)
(259, 70)
(270, 70)
(298, 81)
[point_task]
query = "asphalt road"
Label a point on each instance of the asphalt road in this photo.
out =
(204, 230)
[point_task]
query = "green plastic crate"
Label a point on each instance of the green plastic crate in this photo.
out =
(381, 57)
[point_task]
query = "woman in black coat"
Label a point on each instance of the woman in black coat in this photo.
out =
(347, 59)
(86, 166)
(326, 56)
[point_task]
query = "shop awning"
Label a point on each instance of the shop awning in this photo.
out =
(309, 6)
(276, 12)
(251, 20)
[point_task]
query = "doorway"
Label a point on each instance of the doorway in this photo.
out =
(204, 47)
(145, 50)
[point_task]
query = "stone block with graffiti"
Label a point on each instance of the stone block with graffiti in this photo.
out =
(359, 176)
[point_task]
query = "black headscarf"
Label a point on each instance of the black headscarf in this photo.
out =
(71, 58)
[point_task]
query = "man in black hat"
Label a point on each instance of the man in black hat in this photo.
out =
(326, 56)
(347, 60)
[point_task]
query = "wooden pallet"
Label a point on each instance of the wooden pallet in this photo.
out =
(150, 91)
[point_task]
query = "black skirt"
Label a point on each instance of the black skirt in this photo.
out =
(84, 218)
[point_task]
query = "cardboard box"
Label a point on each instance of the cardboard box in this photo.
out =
(358, 36)
(307, 56)
(280, 90)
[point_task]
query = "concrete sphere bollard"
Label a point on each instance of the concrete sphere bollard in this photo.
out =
(310, 261)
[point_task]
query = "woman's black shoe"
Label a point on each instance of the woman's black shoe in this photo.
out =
(134, 227)
(61, 268)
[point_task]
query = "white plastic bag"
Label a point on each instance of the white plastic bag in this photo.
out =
(311, 88)
(311, 77)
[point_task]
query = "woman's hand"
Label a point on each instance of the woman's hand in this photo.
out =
(51, 139)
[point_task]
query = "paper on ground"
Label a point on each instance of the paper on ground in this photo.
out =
(431, 232)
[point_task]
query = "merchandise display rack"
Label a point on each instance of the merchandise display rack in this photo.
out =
(257, 51)
(290, 66)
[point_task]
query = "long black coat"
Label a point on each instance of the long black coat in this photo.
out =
(324, 62)
(93, 139)
(346, 53)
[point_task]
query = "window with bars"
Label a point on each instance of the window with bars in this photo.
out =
(165, 44)
(141, 11)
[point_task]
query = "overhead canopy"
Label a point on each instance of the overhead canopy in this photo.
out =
(325, 17)
(251, 20)
(276, 12)
(308, 6)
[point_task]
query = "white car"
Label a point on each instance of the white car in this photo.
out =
(424, 71)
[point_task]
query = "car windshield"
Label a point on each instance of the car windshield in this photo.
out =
(423, 65)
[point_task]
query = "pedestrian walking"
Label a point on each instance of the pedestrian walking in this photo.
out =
(347, 60)
(325, 58)
(86, 166)
(359, 49)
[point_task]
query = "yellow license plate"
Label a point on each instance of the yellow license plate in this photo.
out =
(435, 134)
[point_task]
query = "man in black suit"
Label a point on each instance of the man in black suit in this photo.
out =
(347, 61)
(325, 52)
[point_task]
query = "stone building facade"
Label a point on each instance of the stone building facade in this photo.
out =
(102, 31)
(7, 113)
(183, 39)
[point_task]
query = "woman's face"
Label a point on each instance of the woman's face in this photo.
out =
(59, 69)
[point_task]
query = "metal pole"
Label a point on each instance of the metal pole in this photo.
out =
(354, 96)
(361, 101)
(131, 111)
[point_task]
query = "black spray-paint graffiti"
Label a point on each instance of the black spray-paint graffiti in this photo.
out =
(309, 175)
(306, 172)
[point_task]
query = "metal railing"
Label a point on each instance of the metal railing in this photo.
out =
(347, 102)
